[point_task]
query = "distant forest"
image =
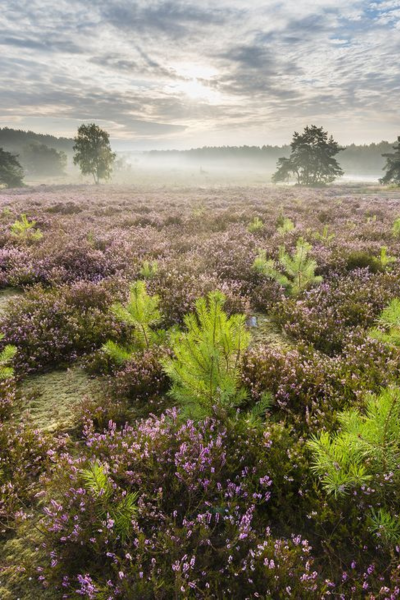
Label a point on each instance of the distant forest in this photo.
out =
(363, 159)
(15, 140)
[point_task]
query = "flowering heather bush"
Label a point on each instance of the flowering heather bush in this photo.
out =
(200, 514)
(25, 455)
(145, 504)
(332, 314)
(48, 326)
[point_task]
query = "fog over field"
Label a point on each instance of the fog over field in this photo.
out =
(200, 300)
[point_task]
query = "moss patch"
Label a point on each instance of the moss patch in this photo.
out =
(264, 331)
(7, 295)
(50, 401)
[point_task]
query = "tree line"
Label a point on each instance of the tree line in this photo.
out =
(309, 159)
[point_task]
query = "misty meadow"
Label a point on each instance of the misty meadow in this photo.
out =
(199, 300)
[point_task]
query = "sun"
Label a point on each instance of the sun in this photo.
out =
(195, 82)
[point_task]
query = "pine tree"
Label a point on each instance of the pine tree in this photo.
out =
(392, 166)
(311, 160)
(205, 369)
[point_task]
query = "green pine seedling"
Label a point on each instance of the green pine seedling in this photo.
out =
(396, 227)
(255, 225)
(368, 444)
(141, 312)
(295, 273)
(149, 269)
(117, 353)
(121, 511)
(205, 369)
(385, 259)
(286, 225)
(388, 330)
(24, 229)
(385, 526)
(325, 236)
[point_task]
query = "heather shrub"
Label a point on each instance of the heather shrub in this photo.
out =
(51, 326)
(332, 314)
(142, 376)
(192, 523)
(7, 397)
(25, 456)
(359, 259)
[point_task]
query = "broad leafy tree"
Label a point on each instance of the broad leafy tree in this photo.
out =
(11, 172)
(40, 160)
(392, 166)
(312, 159)
(93, 152)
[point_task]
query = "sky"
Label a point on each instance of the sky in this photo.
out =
(182, 74)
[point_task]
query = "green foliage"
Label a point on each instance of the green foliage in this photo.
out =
(396, 227)
(312, 159)
(141, 312)
(286, 225)
(121, 511)
(205, 370)
(368, 444)
(385, 259)
(295, 273)
(255, 225)
(6, 357)
(256, 416)
(360, 259)
(117, 353)
(392, 166)
(40, 160)
(385, 526)
(149, 269)
(93, 152)
(388, 330)
(23, 229)
(325, 236)
(11, 172)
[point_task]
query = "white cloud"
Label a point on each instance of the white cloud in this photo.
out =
(188, 72)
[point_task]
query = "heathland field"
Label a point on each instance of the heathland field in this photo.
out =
(199, 392)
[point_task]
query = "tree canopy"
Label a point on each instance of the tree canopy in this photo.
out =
(93, 152)
(392, 166)
(39, 159)
(311, 160)
(11, 172)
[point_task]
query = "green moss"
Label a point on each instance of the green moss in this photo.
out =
(50, 401)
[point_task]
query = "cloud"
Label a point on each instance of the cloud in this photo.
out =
(183, 71)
